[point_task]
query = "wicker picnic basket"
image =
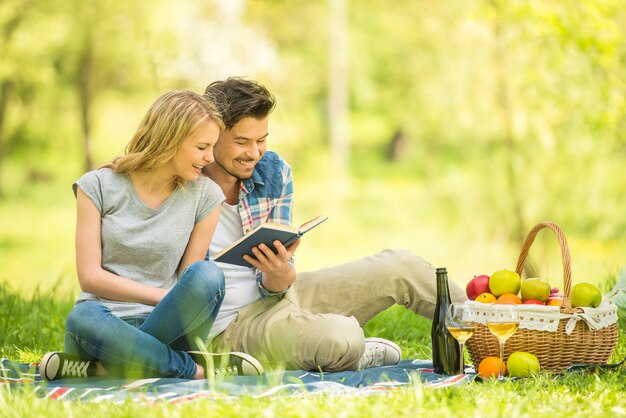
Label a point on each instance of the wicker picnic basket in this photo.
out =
(559, 337)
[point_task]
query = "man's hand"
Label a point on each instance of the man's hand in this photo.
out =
(278, 274)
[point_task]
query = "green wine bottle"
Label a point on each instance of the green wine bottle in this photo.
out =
(446, 352)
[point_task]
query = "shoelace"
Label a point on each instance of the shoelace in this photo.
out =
(77, 368)
(373, 356)
(226, 371)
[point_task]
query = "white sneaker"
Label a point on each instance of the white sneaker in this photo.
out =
(379, 352)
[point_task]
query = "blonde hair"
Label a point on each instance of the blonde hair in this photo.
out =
(171, 118)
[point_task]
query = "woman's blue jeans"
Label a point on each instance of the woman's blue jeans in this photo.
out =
(154, 345)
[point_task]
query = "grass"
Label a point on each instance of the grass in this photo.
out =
(31, 325)
(581, 396)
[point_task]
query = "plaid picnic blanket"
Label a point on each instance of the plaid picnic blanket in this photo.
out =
(375, 380)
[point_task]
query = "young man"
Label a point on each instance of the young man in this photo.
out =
(308, 320)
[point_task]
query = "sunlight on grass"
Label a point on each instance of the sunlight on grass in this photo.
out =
(541, 397)
(37, 245)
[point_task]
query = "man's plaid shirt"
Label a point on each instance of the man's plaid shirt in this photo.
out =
(267, 196)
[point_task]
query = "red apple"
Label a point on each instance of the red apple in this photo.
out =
(533, 302)
(477, 286)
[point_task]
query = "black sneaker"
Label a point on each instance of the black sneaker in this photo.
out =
(227, 364)
(57, 365)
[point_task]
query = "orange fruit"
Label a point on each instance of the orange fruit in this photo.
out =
(509, 298)
(554, 302)
(485, 298)
(490, 366)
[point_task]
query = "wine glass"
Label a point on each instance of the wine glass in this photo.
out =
(502, 320)
(461, 323)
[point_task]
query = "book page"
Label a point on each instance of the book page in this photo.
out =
(312, 223)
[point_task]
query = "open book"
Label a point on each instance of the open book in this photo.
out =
(266, 233)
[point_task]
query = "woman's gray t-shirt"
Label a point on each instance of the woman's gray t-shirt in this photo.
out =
(141, 243)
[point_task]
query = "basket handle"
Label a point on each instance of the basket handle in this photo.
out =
(565, 258)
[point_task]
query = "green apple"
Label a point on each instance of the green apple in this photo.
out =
(504, 281)
(535, 289)
(586, 295)
(522, 364)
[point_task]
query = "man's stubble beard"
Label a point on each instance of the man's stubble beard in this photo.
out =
(235, 175)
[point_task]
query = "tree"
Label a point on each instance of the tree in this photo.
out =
(102, 52)
(13, 15)
(338, 84)
(24, 71)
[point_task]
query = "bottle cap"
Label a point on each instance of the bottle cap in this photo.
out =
(441, 270)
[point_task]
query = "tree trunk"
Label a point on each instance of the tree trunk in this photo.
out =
(85, 92)
(7, 86)
(338, 88)
(519, 228)
(397, 145)
(5, 90)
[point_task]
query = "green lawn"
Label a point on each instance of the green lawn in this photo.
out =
(31, 325)
(575, 397)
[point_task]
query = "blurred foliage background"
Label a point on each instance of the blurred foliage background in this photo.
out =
(449, 127)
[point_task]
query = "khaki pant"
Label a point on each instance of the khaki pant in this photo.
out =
(317, 324)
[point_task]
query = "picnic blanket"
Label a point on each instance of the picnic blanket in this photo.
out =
(375, 380)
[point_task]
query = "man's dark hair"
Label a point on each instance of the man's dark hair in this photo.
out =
(237, 98)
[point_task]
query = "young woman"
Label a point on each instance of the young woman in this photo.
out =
(144, 224)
